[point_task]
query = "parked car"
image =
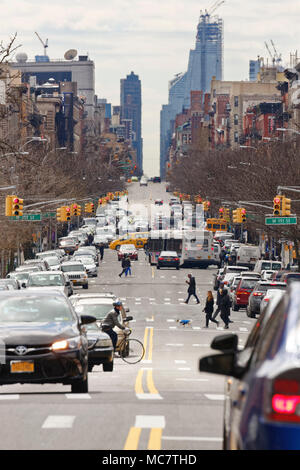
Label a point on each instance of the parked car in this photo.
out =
(20, 276)
(258, 293)
(262, 393)
(53, 263)
(68, 244)
(49, 281)
(268, 297)
(242, 292)
(42, 262)
(156, 179)
(168, 259)
(247, 255)
(45, 340)
(76, 273)
(232, 285)
(159, 202)
(217, 278)
(290, 277)
(11, 283)
(267, 274)
(128, 250)
(89, 264)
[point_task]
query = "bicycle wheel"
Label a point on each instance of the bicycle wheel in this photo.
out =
(132, 351)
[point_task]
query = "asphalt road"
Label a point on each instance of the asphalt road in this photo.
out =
(163, 402)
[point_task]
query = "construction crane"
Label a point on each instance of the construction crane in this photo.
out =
(215, 6)
(268, 49)
(45, 45)
(277, 56)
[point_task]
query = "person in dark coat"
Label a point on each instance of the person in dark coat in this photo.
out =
(209, 308)
(191, 289)
(219, 295)
(125, 265)
(225, 305)
(128, 266)
(101, 250)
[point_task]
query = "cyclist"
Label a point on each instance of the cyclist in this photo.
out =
(111, 320)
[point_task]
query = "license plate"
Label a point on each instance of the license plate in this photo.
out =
(74, 281)
(21, 366)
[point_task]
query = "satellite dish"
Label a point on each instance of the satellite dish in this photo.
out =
(70, 54)
(21, 57)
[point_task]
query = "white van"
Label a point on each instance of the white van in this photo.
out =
(247, 255)
(265, 264)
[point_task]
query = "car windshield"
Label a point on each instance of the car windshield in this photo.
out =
(45, 280)
(264, 288)
(248, 284)
(34, 309)
(96, 310)
(87, 260)
(53, 261)
(72, 267)
(20, 276)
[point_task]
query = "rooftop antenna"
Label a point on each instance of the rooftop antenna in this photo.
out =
(45, 44)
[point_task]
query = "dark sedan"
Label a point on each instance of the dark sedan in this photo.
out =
(101, 349)
(168, 259)
(44, 339)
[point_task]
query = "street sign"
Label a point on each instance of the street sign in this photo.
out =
(281, 220)
(26, 217)
(48, 215)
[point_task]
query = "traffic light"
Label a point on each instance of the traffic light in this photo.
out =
(8, 205)
(243, 215)
(78, 210)
(221, 212)
(99, 202)
(17, 206)
(285, 206)
(68, 213)
(74, 210)
(237, 216)
(206, 206)
(92, 206)
(277, 205)
(61, 214)
(226, 214)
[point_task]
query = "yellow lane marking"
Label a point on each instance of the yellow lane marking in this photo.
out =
(154, 442)
(133, 438)
(139, 382)
(150, 345)
(145, 342)
(150, 384)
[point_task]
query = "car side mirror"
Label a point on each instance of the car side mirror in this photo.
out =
(228, 343)
(86, 319)
(218, 364)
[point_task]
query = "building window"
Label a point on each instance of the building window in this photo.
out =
(236, 101)
(236, 119)
(236, 136)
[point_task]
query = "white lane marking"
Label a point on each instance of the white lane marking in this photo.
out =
(162, 277)
(167, 299)
(167, 303)
(78, 396)
(149, 396)
(175, 344)
(215, 396)
(192, 380)
(138, 303)
(179, 362)
(58, 421)
(174, 277)
(184, 368)
(170, 320)
(146, 361)
(198, 439)
(148, 421)
(10, 397)
(181, 300)
(196, 328)
(201, 345)
(138, 298)
(173, 327)
(243, 329)
(149, 319)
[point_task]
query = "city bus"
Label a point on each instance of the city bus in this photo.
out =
(216, 225)
(163, 240)
(198, 249)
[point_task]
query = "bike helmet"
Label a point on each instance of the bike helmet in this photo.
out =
(117, 304)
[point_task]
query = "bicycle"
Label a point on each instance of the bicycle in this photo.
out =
(131, 350)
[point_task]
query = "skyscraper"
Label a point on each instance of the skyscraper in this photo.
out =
(131, 109)
(205, 62)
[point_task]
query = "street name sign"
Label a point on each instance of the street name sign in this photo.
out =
(27, 217)
(48, 215)
(281, 220)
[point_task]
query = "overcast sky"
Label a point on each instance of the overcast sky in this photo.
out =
(152, 38)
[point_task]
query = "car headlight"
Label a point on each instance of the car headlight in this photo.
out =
(104, 343)
(72, 343)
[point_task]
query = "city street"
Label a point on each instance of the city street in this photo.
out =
(163, 402)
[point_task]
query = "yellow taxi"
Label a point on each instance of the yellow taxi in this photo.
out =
(138, 239)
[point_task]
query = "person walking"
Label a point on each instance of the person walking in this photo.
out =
(124, 265)
(219, 295)
(128, 266)
(209, 308)
(101, 250)
(225, 304)
(191, 289)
